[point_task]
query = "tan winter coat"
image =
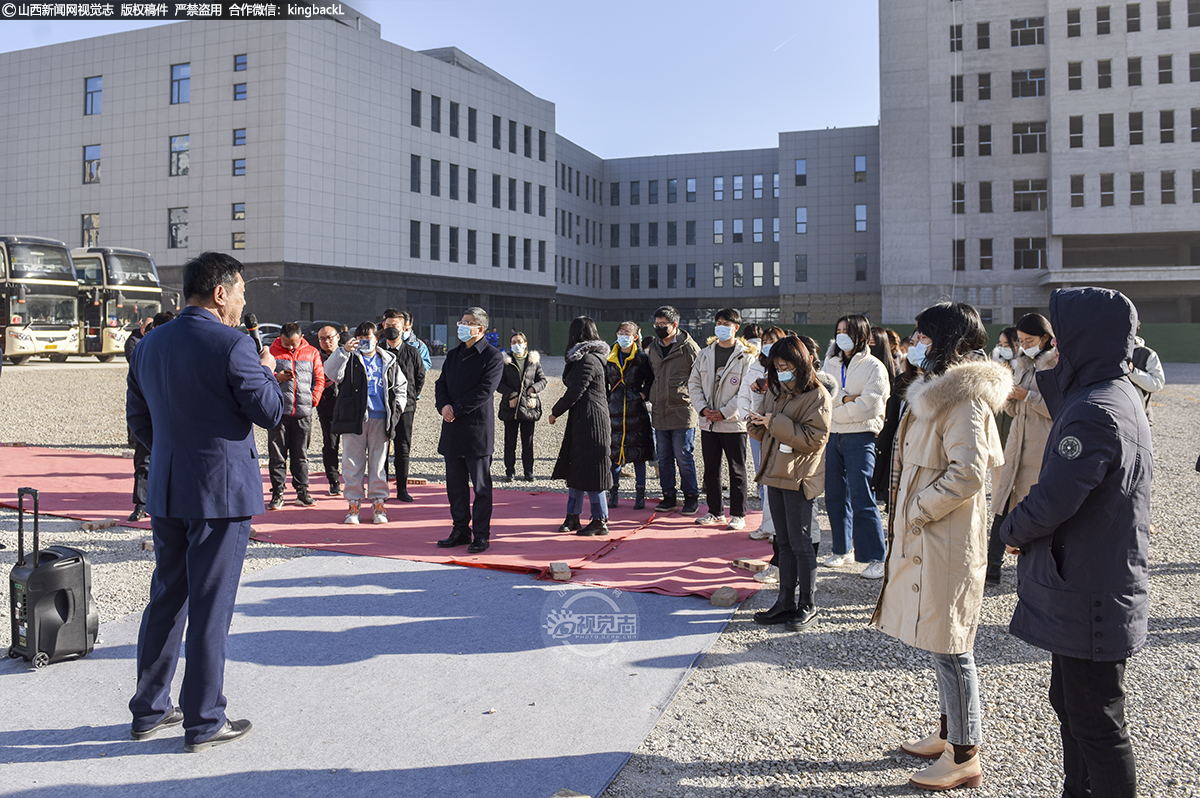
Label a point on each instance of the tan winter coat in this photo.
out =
(719, 391)
(938, 530)
(800, 421)
(867, 378)
(1027, 436)
(671, 408)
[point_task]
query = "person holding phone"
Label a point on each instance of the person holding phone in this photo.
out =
(301, 377)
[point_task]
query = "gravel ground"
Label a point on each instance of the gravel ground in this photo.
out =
(818, 713)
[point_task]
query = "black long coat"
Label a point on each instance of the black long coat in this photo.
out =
(583, 461)
(468, 380)
(628, 389)
(517, 382)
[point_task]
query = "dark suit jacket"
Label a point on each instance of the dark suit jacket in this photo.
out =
(468, 380)
(196, 389)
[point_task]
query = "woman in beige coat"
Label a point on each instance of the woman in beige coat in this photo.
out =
(1027, 435)
(792, 427)
(937, 532)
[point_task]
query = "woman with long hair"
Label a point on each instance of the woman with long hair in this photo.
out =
(584, 461)
(629, 379)
(937, 531)
(792, 428)
(520, 404)
(858, 406)
(1029, 430)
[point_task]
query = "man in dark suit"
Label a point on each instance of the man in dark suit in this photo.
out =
(395, 339)
(196, 389)
(463, 394)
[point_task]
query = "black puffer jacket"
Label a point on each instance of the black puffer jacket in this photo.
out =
(1084, 528)
(515, 383)
(583, 461)
(628, 390)
(413, 368)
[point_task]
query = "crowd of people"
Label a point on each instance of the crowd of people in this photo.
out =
(1057, 416)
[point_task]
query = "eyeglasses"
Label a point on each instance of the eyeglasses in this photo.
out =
(327, 337)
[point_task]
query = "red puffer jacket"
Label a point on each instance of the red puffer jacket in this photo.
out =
(302, 392)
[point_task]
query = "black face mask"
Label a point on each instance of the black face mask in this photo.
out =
(662, 332)
(392, 334)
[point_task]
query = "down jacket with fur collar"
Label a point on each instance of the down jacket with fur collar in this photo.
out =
(938, 530)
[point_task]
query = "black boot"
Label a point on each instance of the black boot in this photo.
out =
(639, 503)
(402, 481)
(783, 610)
(691, 504)
(669, 502)
(571, 524)
(598, 527)
(612, 498)
(806, 613)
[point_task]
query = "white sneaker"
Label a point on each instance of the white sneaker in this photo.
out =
(737, 522)
(710, 520)
(762, 533)
(874, 570)
(769, 576)
(352, 514)
(836, 560)
(378, 516)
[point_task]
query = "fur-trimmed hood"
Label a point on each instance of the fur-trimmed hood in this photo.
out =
(533, 357)
(968, 381)
(584, 347)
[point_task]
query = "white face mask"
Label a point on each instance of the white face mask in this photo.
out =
(845, 342)
(464, 332)
(624, 341)
(786, 376)
(724, 332)
(766, 350)
(1005, 353)
(1032, 351)
(916, 354)
(366, 345)
(518, 349)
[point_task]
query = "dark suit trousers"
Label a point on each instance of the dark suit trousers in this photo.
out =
(331, 457)
(461, 474)
(731, 445)
(1089, 698)
(402, 442)
(197, 566)
(141, 472)
(289, 440)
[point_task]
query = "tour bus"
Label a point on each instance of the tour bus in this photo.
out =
(38, 292)
(118, 289)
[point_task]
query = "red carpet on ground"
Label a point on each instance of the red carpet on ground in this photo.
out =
(644, 552)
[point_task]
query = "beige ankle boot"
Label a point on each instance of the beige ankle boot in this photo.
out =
(930, 747)
(946, 774)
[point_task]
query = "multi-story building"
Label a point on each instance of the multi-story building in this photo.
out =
(1034, 144)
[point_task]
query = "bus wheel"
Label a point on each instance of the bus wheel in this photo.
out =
(105, 358)
(17, 360)
(58, 357)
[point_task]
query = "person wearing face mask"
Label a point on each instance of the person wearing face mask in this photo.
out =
(520, 404)
(331, 443)
(672, 353)
(859, 404)
(932, 592)
(197, 387)
(409, 359)
(463, 397)
(713, 386)
(371, 399)
(301, 375)
(1027, 433)
(629, 381)
(793, 427)
(893, 411)
(750, 397)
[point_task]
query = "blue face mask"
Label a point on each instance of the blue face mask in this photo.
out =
(404, 336)
(624, 341)
(464, 332)
(724, 332)
(766, 350)
(786, 376)
(916, 354)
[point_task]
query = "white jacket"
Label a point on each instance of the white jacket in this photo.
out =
(747, 399)
(708, 389)
(865, 377)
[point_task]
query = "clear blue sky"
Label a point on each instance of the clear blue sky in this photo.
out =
(639, 78)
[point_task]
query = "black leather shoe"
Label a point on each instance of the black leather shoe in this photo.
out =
(529, 477)
(598, 527)
(403, 495)
(233, 730)
(173, 718)
(505, 478)
(777, 614)
(459, 537)
(478, 546)
(804, 618)
(138, 514)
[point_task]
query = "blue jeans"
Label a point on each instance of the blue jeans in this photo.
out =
(596, 497)
(676, 445)
(639, 474)
(958, 697)
(849, 500)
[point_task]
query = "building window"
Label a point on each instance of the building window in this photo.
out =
(985, 85)
(1104, 74)
(958, 254)
(512, 136)
(512, 193)
(860, 218)
(1106, 190)
(757, 186)
(181, 83)
(985, 254)
(527, 197)
(719, 189)
(1073, 25)
(239, 91)
(614, 198)
(528, 141)
(757, 230)
(472, 124)
(756, 274)
(1196, 185)
(435, 242)
(1076, 191)
(614, 277)
(718, 231)
(472, 180)
(737, 274)
(635, 277)
(454, 120)
(737, 187)
(737, 231)
(958, 139)
(689, 275)
(652, 234)
(90, 230)
(1164, 14)
(672, 234)
(635, 234)
(542, 150)
(239, 241)
(1135, 127)
(1194, 63)
(1029, 195)
(1075, 132)
(635, 192)
(1166, 127)
(652, 192)
(802, 268)
(1137, 188)
(801, 172)
(414, 239)
(177, 228)
(958, 200)
(512, 252)
(179, 156)
(414, 174)
(1106, 130)
(775, 229)
(495, 132)
(527, 254)
(614, 236)
(541, 201)
(453, 181)
(1031, 30)
(1029, 253)
(860, 168)
(435, 114)
(495, 191)
(471, 252)
(1133, 18)
(239, 63)
(1074, 75)
(801, 221)
(672, 275)
(860, 267)
(956, 88)
(239, 211)
(691, 189)
(1134, 70)
(956, 38)
(496, 250)
(985, 196)
(239, 137)
(718, 275)
(91, 163)
(775, 185)
(1103, 21)
(435, 178)
(92, 95)
(1167, 179)
(672, 190)
(542, 257)
(1029, 83)
(239, 166)
(1194, 13)
(1164, 69)
(985, 140)
(983, 35)
(1028, 138)
(1196, 124)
